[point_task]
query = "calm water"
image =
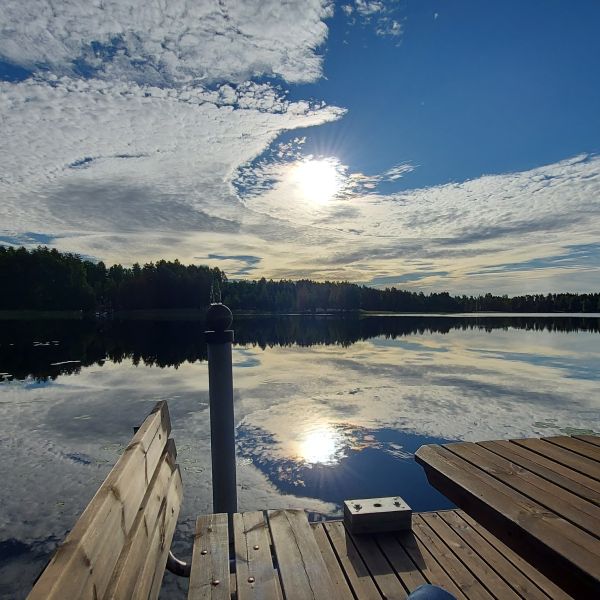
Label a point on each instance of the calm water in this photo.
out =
(326, 409)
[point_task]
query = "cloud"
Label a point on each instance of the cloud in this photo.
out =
(175, 42)
(235, 265)
(366, 8)
(375, 13)
(405, 277)
(131, 143)
(466, 228)
(102, 157)
(577, 256)
(397, 172)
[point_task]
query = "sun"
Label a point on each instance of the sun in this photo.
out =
(318, 180)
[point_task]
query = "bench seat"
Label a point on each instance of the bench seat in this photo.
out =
(118, 548)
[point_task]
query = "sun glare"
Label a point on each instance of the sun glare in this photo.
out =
(320, 446)
(318, 180)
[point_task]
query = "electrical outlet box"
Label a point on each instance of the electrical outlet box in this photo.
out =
(377, 515)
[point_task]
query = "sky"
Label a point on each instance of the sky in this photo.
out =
(425, 144)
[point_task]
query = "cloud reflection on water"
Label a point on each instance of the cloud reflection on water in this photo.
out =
(316, 424)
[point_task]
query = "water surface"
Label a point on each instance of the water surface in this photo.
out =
(326, 409)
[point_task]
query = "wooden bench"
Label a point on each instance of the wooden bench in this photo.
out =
(119, 546)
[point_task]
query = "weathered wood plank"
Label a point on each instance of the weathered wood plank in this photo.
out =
(523, 587)
(353, 565)
(459, 573)
(582, 513)
(333, 566)
(425, 560)
(397, 556)
(521, 523)
(471, 557)
(578, 446)
(385, 578)
(579, 484)
(209, 579)
(590, 439)
(301, 567)
(151, 575)
(542, 582)
(565, 457)
(255, 574)
(90, 552)
(135, 552)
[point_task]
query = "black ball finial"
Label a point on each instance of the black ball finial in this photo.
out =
(218, 317)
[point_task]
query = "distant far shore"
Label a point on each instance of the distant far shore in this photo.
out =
(44, 279)
(199, 314)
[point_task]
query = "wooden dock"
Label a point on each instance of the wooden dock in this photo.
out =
(279, 555)
(529, 528)
(539, 496)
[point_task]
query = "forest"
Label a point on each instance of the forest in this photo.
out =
(46, 279)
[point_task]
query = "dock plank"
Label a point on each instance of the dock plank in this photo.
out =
(426, 562)
(385, 578)
(567, 554)
(455, 568)
(333, 566)
(255, 573)
(584, 487)
(209, 579)
(302, 570)
(522, 586)
(543, 583)
(590, 439)
(563, 456)
(352, 563)
(483, 572)
(555, 498)
(401, 562)
(579, 447)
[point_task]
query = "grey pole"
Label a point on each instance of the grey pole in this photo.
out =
(222, 425)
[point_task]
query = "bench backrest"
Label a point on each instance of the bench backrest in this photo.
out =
(119, 546)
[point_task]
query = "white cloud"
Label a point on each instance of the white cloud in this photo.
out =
(126, 172)
(118, 167)
(125, 144)
(376, 13)
(177, 41)
(367, 8)
(398, 171)
(463, 230)
(114, 157)
(389, 27)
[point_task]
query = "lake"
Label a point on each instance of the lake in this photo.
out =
(327, 408)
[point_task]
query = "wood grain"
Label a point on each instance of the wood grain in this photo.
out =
(83, 564)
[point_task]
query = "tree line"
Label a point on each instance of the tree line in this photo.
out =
(45, 279)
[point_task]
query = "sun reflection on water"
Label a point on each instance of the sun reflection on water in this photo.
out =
(321, 446)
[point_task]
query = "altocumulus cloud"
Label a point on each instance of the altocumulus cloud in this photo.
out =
(455, 236)
(167, 42)
(127, 135)
(135, 122)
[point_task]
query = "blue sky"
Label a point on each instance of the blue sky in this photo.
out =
(435, 145)
(484, 87)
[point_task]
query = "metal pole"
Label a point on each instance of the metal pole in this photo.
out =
(222, 425)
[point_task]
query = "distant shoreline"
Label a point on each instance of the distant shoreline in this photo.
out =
(199, 314)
